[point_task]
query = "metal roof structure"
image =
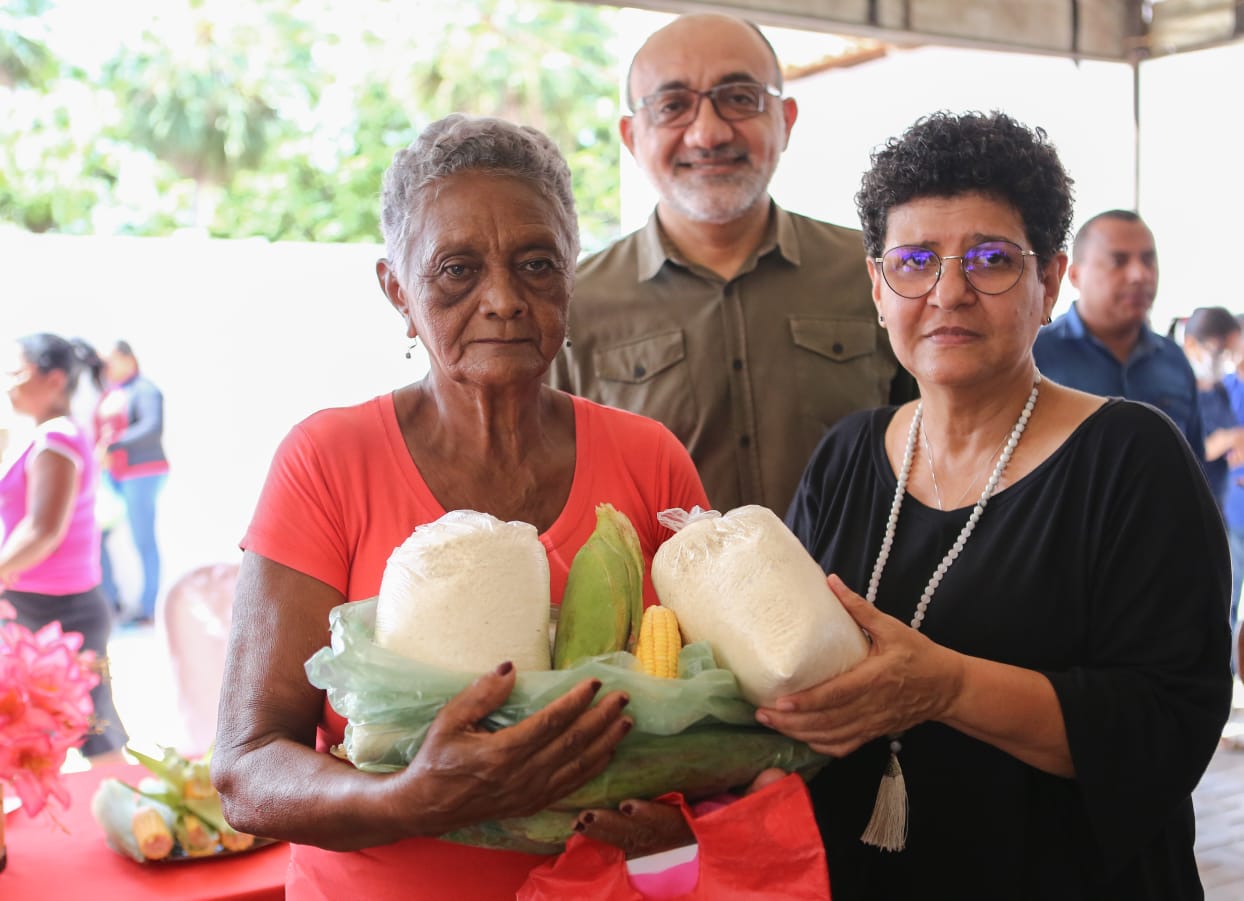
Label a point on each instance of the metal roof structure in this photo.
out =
(1114, 30)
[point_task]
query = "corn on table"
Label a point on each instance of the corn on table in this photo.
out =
(48, 862)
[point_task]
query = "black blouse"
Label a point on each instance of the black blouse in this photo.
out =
(1106, 568)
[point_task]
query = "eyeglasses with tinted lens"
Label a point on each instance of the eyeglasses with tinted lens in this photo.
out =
(991, 267)
(733, 101)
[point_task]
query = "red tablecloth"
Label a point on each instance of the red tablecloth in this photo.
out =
(45, 862)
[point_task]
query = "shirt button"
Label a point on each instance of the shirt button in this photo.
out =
(738, 364)
(745, 441)
(639, 372)
(837, 348)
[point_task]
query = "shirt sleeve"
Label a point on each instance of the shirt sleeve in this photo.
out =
(1145, 713)
(59, 442)
(297, 521)
(146, 417)
(686, 490)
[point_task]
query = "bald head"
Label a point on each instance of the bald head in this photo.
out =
(694, 33)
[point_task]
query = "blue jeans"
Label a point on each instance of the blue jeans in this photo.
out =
(140, 495)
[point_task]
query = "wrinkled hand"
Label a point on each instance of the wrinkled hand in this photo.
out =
(648, 827)
(464, 774)
(906, 679)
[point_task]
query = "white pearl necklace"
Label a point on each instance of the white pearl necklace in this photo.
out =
(887, 828)
(956, 549)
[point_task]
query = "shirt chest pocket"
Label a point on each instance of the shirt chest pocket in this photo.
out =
(650, 376)
(838, 368)
(838, 340)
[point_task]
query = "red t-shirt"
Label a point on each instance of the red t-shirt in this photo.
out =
(343, 492)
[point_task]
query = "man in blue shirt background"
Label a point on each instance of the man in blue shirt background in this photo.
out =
(1104, 344)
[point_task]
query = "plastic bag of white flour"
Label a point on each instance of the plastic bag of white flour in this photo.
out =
(743, 583)
(467, 592)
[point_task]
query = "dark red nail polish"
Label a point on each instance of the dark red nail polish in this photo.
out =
(587, 819)
(595, 685)
(578, 827)
(504, 669)
(627, 809)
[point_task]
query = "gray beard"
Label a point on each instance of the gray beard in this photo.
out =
(719, 202)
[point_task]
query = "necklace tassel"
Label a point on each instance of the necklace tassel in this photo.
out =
(887, 828)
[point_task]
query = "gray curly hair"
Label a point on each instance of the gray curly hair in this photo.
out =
(461, 143)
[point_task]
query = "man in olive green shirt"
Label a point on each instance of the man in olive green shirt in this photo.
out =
(746, 329)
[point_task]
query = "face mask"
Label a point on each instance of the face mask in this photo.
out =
(1207, 366)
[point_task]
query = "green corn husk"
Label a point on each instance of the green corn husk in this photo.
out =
(113, 806)
(604, 597)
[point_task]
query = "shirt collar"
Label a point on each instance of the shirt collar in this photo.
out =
(655, 248)
(1145, 342)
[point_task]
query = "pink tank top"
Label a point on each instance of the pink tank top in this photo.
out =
(74, 565)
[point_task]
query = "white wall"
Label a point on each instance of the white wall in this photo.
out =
(1192, 193)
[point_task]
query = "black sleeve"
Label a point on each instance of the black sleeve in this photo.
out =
(146, 416)
(1144, 716)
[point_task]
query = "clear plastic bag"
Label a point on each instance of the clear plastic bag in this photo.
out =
(746, 585)
(695, 734)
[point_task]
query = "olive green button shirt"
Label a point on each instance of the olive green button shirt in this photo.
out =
(748, 373)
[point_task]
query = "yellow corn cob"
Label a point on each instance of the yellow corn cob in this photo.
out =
(659, 642)
(152, 834)
(195, 838)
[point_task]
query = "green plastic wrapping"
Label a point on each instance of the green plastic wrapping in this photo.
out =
(694, 734)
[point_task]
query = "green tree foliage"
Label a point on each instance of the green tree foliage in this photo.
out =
(24, 57)
(277, 118)
(205, 94)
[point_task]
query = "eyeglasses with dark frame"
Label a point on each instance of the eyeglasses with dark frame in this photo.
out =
(991, 267)
(732, 101)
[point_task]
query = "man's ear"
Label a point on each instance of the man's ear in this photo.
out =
(790, 112)
(1073, 275)
(626, 129)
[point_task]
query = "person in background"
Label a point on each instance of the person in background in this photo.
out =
(130, 430)
(1104, 344)
(1211, 342)
(1042, 572)
(1233, 505)
(49, 555)
(743, 327)
(481, 237)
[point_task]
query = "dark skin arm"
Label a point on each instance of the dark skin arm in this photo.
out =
(273, 782)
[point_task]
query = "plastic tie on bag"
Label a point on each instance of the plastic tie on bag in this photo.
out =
(677, 518)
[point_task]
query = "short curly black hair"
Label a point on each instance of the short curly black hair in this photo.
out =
(944, 154)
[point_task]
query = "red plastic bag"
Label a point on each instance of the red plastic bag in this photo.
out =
(765, 845)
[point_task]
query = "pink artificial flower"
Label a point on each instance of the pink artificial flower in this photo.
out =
(32, 763)
(13, 701)
(45, 707)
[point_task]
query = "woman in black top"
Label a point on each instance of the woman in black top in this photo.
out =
(1048, 676)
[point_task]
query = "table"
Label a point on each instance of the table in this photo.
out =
(45, 862)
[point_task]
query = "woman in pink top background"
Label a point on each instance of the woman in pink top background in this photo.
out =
(49, 554)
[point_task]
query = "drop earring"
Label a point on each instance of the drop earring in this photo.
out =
(880, 320)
